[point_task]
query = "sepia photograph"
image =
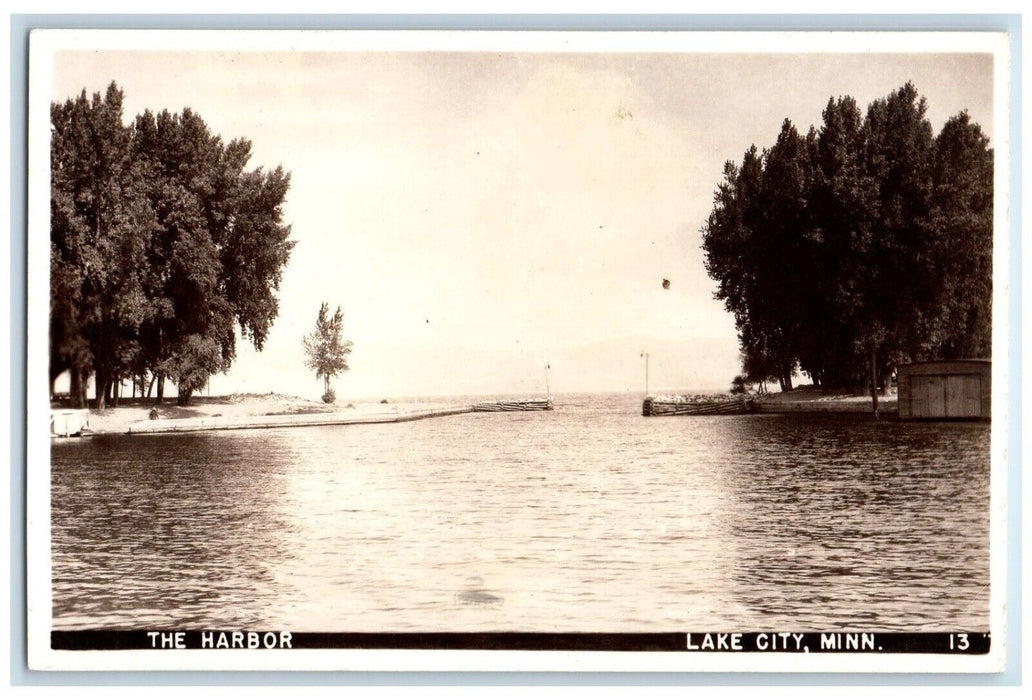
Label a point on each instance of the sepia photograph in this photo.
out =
(588, 351)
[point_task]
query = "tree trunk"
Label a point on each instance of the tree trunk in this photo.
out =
(84, 378)
(161, 388)
(100, 389)
(75, 388)
(874, 380)
(184, 397)
(150, 384)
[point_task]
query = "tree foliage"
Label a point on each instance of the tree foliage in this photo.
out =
(326, 350)
(865, 243)
(163, 245)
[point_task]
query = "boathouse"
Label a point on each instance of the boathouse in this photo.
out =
(947, 389)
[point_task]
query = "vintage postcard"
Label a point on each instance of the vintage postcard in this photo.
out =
(423, 350)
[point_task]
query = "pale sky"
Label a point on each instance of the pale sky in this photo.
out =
(478, 215)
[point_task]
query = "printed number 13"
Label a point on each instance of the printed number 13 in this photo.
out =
(959, 642)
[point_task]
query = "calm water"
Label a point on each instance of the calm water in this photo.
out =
(589, 518)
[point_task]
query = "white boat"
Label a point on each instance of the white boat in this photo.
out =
(69, 421)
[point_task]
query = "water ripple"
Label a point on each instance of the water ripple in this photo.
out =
(590, 518)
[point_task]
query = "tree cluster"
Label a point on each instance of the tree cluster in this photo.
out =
(162, 246)
(860, 245)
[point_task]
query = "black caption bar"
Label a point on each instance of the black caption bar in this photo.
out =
(964, 643)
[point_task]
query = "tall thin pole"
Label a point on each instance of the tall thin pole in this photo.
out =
(548, 391)
(646, 356)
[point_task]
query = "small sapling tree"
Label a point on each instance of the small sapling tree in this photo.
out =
(327, 352)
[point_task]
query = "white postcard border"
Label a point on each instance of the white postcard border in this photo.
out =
(43, 45)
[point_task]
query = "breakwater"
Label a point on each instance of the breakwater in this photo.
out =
(527, 405)
(736, 405)
(695, 406)
(298, 420)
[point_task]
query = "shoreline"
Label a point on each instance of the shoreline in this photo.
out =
(241, 411)
(802, 400)
(244, 411)
(247, 411)
(807, 400)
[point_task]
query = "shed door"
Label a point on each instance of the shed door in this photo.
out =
(929, 396)
(963, 396)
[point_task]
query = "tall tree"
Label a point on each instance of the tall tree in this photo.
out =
(898, 278)
(962, 218)
(732, 256)
(750, 254)
(99, 225)
(255, 247)
(842, 201)
(783, 248)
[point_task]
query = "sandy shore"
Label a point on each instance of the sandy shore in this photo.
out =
(808, 393)
(240, 407)
(809, 400)
(802, 400)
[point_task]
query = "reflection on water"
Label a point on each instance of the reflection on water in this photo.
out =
(590, 518)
